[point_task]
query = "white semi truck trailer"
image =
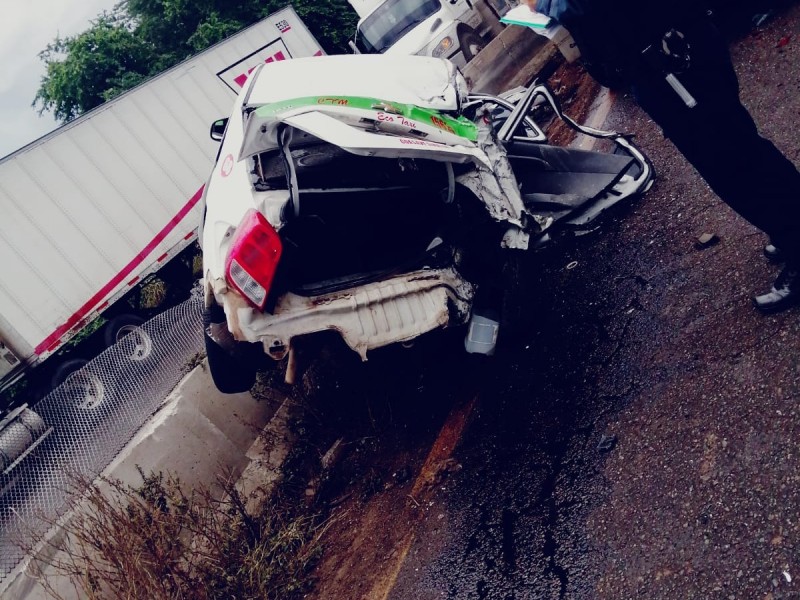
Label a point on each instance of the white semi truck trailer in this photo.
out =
(92, 209)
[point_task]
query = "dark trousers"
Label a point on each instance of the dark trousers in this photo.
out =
(719, 138)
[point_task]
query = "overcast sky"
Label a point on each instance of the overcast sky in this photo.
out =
(26, 28)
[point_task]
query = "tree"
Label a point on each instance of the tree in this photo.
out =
(170, 24)
(333, 22)
(179, 27)
(85, 70)
(212, 30)
(141, 38)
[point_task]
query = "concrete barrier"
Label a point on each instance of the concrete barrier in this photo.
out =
(513, 58)
(197, 433)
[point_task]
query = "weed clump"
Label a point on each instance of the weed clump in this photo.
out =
(158, 542)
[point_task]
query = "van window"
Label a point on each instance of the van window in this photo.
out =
(391, 21)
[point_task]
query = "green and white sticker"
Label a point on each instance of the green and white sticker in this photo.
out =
(385, 111)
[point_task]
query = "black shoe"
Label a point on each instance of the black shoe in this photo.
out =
(785, 292)
(773, 253)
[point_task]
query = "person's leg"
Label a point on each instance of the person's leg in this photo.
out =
(719, 138)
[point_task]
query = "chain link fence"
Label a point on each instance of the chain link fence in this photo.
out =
(80, 427)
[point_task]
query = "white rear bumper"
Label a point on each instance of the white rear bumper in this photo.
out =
(367, 317)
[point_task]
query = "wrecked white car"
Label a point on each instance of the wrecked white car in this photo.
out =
(375, 197)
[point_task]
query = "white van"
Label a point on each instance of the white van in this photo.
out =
(452, 29)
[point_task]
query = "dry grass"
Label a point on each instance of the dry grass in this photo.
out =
(158, 542)
(194, 361)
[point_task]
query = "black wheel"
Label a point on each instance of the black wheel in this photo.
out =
(127, 330)
(471, 44)
(83, 387)
(235, 372)
(65, 369)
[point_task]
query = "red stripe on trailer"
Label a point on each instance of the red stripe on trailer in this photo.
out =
(242, 78)
(133, 281)
(188, 235)
(162, 257)
(279, 55)
(84, 310)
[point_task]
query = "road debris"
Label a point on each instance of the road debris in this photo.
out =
(326, 463)
(706, 241)
(330, 458)
(607, 443)
(760, 18)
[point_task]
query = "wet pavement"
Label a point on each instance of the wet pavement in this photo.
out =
(703, 497)
(637, 436)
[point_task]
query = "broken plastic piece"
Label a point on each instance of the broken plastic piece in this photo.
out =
(706, 240)
(760, 18)
(481, 335)
(607, 443)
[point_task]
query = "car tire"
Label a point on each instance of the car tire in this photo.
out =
(471, 44)
(138, 345)
(232, 374)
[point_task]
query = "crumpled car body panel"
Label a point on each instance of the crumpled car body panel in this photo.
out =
(407, 112)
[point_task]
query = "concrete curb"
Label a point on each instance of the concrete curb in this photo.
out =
(197, 434)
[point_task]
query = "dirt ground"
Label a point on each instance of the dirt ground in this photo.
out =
(577, 92)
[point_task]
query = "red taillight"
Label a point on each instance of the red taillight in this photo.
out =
(253, 258)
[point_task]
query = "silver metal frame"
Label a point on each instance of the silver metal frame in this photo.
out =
(520, 114)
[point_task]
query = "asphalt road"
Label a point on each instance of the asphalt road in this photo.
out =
(638, 436)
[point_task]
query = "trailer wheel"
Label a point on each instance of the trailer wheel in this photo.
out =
(83, 387)
(127, 330)
(471, 44)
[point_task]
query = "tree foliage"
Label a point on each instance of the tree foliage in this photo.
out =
(87, 69)
(141, 38)
(332, 22)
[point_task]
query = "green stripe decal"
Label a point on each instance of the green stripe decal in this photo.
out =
(460, 126)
